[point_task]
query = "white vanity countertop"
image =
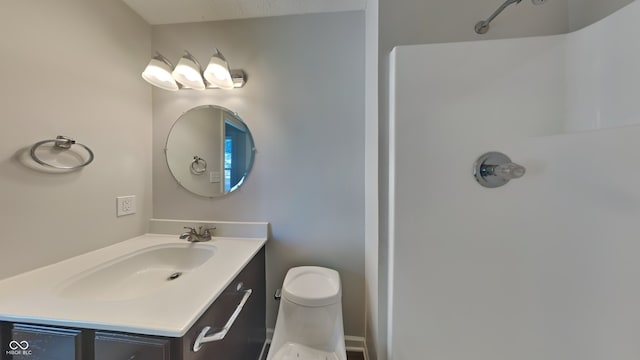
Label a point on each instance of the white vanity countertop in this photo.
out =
(35, 296)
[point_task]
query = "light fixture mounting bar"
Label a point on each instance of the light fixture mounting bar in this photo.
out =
(239, 78)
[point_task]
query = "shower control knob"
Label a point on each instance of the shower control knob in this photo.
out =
(509, 171)
(495, 169)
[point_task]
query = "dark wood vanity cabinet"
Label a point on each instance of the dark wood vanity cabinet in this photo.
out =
(37, 342)
(247, 335)
(112, 346)
(244, 341)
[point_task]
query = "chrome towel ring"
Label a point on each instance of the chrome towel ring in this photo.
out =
(61, 143)
(198, 165)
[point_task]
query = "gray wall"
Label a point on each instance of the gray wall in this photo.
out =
(585, 12)
(304, 103)
(406, 22)
(72, 67)
(373, 326)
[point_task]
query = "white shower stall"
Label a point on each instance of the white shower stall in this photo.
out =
(547, 266)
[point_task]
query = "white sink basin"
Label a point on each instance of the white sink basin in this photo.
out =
(124, 288)
(137, 274)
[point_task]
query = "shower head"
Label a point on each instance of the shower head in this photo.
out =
(483, 26)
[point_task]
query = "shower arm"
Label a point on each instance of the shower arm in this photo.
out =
(483, 26)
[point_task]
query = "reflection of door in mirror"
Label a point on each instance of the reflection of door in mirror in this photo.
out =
(235, 154)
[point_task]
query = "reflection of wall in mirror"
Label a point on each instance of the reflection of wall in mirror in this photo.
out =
(202, 133)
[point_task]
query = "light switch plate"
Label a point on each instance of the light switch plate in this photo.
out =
(214, 177)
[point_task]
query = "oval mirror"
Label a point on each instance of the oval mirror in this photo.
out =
(210, 151)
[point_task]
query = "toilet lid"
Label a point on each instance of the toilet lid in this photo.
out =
(312, 286)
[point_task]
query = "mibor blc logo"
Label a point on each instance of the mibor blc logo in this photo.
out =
(19, 348)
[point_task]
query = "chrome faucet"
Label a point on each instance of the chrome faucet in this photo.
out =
(197, 236)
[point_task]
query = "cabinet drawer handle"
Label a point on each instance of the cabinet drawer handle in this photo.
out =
(217, 336)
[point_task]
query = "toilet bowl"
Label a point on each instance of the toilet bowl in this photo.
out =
(309, 324)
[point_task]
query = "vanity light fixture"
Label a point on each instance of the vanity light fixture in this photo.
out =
(218, 72)
(188, 73)
(158, 73)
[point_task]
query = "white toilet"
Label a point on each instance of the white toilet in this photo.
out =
(309, 324)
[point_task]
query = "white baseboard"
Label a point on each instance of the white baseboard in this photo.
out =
(352, 343)
(356, 344)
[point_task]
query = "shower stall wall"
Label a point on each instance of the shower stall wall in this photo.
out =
(547, 266)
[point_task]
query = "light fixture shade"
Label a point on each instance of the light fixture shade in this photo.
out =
(188, 72)
(158, 73)
(218, 73)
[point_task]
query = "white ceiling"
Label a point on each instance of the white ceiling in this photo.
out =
(157, 12)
